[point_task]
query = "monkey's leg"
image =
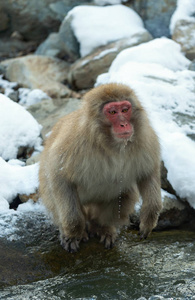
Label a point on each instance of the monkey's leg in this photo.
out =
(152, 205)
(71, 218)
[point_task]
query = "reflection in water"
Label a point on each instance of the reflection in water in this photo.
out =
(36, 267)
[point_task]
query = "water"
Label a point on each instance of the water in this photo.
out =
(34, 266)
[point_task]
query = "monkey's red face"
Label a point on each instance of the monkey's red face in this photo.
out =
(119, 115)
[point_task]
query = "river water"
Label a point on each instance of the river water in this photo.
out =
(34, 266)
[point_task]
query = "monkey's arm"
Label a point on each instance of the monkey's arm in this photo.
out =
(151, 194)
(70, 216)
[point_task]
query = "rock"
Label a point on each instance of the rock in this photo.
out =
(68, 38)
(39, 72)
(52, 46)
(61, 8)
(13, 95)
(155, 14)
(25, 152)
(62, 45)
(99, 61)
(4, 21)
(174, 212)
(34, 19)
(47, 113)
(25, 17)
(184, 33)
(92, 37)
(11, 47)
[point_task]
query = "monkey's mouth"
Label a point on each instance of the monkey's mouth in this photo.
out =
(124, 135)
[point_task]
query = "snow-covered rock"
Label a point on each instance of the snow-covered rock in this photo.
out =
(16, 179)
(17, 129)
(95, 26)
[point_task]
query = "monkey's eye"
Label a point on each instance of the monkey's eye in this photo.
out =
(125, 110)
(112, 112)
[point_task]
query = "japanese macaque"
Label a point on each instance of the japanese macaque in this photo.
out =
(96, 163)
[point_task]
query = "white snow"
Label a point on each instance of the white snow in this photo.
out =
(157, 72)
(95, 26)
(16, 179)
(185, 11)
(17, 128)
(159, 51)
(29, 97)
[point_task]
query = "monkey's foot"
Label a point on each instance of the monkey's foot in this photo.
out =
(108, 236)
(70, 244)
(108, 240)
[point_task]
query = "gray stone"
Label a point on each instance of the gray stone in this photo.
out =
(25, 17)
(67, 36)
(155, 14)
(173, 214)
(34, 19)
(11, 47)
(62, 44)
(61, 8)
(4, 21)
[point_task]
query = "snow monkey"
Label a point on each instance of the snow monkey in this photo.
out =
(96, 163)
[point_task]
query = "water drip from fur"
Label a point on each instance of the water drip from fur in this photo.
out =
(120, 186)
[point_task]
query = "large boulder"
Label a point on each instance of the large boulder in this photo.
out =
(34, 19)
(39, 72)
(83, 73)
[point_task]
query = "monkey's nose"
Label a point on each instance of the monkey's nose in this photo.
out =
(123, 124)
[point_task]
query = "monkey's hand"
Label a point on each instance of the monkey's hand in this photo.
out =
(147, 224)
(144, 233)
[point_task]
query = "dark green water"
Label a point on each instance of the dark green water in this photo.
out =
(34, 266)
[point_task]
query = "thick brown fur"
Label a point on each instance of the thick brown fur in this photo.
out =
(83, 164)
